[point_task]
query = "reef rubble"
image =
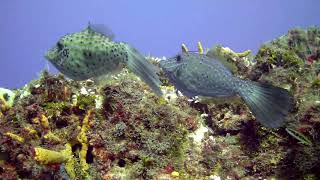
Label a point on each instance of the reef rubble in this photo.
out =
(56, 128)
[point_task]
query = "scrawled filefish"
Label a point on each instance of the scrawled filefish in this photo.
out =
(91, 53)
(199, 75)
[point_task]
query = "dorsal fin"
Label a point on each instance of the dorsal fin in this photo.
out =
(101, 29)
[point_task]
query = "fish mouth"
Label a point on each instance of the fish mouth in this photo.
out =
(47, 56)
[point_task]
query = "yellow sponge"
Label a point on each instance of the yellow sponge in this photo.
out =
(15, 137)
(47, 156)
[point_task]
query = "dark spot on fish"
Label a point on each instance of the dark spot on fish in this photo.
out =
(87, 54)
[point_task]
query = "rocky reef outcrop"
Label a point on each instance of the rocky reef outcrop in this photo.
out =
(56, 128)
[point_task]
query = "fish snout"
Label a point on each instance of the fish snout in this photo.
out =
(51, 54)
(47, 55)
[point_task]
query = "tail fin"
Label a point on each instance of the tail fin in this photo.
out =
(269, 104)
(144, 69)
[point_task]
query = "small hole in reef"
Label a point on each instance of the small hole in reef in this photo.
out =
(76, 147)
(89, 157)
(134, 159)
(61, 123)
(39, 133)
(24, 174)
(47, 176)
(121, 163)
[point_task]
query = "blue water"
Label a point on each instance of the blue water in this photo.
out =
(29, 28)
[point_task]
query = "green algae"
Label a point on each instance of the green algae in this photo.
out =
(85, 101)
(55, 108)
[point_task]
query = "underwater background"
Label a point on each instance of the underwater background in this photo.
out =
(55, 126)
(29, 28)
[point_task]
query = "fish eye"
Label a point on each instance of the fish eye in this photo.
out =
(65, 52)
(178, 58)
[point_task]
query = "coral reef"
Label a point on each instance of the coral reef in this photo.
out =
(291, 62)
(58, 128)
(55, 128)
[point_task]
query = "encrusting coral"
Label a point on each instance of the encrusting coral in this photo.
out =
(55, 128)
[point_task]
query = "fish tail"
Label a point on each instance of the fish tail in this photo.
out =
(269, 104)
(144, 69)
